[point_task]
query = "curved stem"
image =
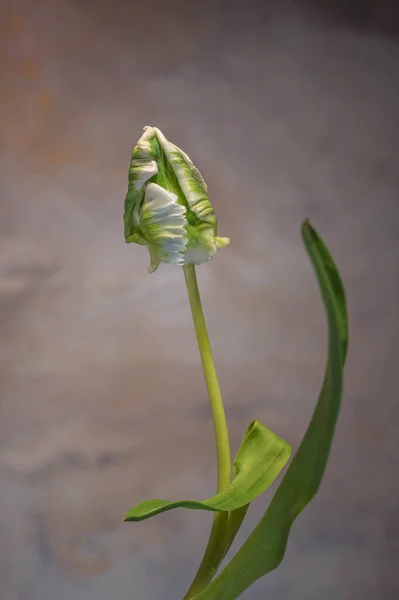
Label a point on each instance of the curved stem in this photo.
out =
(216, 545)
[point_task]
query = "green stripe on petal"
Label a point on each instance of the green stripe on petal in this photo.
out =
(163, 222)
(142, 168)
(190, 180)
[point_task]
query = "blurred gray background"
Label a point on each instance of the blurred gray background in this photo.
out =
(291, 111)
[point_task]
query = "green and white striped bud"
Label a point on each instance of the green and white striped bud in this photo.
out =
(167, 207)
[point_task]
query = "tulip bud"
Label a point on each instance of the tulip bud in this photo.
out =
(167, 207)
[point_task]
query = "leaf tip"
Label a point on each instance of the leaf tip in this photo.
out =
(306, 225)
(128, 518)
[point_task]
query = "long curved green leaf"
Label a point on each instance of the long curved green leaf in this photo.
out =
(259, 460)
(265, 547)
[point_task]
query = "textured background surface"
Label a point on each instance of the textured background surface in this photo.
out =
(289, 113)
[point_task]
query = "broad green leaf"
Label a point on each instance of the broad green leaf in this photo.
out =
(259, 460)
(265, 547)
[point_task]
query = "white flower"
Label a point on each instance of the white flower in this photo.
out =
(167, 207)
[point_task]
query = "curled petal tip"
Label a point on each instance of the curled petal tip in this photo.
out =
(222, 242)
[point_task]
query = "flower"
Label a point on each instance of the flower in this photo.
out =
(167, 207)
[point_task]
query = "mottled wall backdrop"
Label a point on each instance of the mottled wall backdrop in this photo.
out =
(290, 111)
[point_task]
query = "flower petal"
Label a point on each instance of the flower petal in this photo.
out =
(162, 223)
(142, 168)
(190, 181)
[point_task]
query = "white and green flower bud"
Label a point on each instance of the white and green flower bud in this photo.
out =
(167, 207)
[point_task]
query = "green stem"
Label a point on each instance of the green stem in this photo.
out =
(218, 537)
